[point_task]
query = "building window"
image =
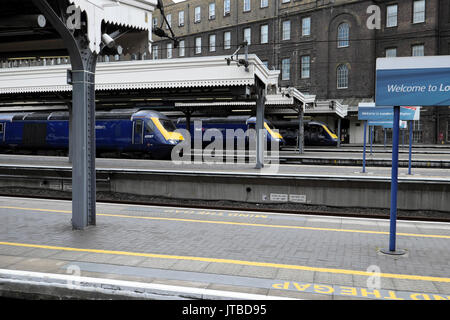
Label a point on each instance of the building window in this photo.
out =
(343, 35)
(155, 22)
(417, 131)
(306, 64)
(169, 50)
(246, 5)
(181, 18)
(227, 40)
(198, 45)
(419, 11)
(212, 43)
(342, 76)
(285, 69)
(264, 3)
(226, 7)
(248, 35)
(212, 11)
(181, 48)
(286, 30)
(285, 1)
(418, 50)
(169, 21)
(391, 52)
(306, 26)
(197, 14)
(265, 33)
(155, 52)
(391, 15)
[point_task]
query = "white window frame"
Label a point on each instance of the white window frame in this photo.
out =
(247, 6)
(343, 37)
(264, 34)
(212, 11)
(391, 16)
(306, 26)
(197, 14)
(286, 30)
(226, 7)
(169, 50)
(415, 48)
(419, 16)
(342, 78)
(181, 48)
(181, 18)
(212, 43)
(389, 51)
(169, 21)
(286, 69)
(198, 45)
(305, 67)
(248, 35)
(227, 42)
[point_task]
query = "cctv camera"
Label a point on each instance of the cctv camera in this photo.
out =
(108, 41)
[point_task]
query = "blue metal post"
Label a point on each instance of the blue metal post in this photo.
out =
(410, 146)
(364, 151)
(394, 185)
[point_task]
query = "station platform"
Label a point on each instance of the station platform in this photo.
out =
(177, 253)
(334, 186)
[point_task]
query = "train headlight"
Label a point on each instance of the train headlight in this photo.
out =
(173, 141)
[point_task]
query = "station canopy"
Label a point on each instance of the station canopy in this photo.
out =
(184, 80)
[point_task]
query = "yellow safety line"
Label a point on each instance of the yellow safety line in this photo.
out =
(231, 261)
(238, 223)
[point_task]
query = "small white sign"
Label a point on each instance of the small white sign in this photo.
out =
(299, 198)
(278, 197)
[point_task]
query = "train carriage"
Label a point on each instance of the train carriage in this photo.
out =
(141, 131)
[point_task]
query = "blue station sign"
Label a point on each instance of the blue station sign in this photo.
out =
(368, 111)
(413, 81)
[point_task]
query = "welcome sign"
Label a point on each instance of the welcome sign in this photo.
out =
(368, 111)
(413, 81)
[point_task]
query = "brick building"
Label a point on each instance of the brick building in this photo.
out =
(322, 47)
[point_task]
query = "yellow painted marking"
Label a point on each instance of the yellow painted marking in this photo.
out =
(239, 223)
(231, 261)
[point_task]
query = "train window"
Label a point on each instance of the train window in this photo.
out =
(168, 125)
(149, 127)
(1, 127)
(251, 126)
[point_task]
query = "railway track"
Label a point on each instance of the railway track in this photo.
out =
(239, 207)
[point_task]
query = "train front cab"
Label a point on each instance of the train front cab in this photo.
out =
(321, 135)
(154, 133)
(269, 133)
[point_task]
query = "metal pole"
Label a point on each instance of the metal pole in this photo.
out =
(385, 138)
(301, 128)
(364, 151)
(371, 138)
(339, 133)
(410, 146)
(394, 187)
(260, 141)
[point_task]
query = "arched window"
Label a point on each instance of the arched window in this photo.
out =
(343, 35)
(342, 76)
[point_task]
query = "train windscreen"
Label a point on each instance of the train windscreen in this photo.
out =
(168, 125)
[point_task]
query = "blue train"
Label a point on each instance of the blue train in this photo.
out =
(142, 131)
(231, 122)
(316, 133)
